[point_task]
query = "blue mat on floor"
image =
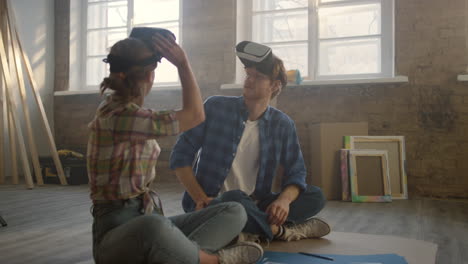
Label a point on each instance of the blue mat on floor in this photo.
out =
(271, 257)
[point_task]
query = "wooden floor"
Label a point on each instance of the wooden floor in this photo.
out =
(52, 224)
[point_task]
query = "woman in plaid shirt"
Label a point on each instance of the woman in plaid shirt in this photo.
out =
(128, 223)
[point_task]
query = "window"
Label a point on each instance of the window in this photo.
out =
(112, 20)
(324, 39)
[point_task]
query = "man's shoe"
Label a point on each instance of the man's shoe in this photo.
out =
(241, 253)
(312, 228)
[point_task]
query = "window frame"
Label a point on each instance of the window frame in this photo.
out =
(130, 24)
(387, 37)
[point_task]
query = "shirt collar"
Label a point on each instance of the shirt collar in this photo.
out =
(245, 111)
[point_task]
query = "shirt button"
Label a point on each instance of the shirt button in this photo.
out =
(234, 154)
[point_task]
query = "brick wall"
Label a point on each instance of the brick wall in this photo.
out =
(431, 111)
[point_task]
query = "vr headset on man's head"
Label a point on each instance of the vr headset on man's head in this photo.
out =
(255, 55)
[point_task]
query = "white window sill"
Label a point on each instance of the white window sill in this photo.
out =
(65, 93)
(462, 77)
(306, 83)
(155, 88)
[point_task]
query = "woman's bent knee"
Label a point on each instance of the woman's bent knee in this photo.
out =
(150, 226)
(237, 211)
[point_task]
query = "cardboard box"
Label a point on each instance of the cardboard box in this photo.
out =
(326, 140)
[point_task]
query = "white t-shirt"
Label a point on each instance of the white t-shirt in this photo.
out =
(244, 170)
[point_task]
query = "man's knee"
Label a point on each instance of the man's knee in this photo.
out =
(233, 196)
(315, 195)
(310, 201)
(238, 197)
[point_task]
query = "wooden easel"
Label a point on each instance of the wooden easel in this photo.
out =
(12, 60)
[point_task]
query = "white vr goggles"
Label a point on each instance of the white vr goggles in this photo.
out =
(255, 55)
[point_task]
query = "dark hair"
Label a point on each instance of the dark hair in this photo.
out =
(278, 73)
(127, 85)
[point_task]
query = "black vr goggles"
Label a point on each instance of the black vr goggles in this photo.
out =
(255, 55)
(119, 64)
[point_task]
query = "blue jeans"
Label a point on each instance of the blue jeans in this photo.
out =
(308, 204)
(121, 234)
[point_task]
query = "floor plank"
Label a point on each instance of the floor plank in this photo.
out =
(52, 224)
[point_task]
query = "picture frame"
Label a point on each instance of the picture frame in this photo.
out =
(395, 147)
(369, 175)
(345, 181)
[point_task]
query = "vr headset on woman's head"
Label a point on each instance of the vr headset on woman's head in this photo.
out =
(255, 55)
(146, 35)
(119, 64)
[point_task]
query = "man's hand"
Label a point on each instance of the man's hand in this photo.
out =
(278, 211)
(203, 203)
(188, 180)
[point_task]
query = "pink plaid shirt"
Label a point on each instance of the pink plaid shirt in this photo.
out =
(122, 150)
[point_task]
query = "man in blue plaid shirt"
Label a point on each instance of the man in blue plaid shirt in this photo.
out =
(238, 151)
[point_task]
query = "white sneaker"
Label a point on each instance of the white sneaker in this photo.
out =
(241, 253)
(312, 228)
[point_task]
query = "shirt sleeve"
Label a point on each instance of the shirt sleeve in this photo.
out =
(142, 124)
(189, 142)
(187, 146)
(292, 160)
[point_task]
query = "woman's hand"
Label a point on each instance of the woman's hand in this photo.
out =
(192, 113)
(169, 49)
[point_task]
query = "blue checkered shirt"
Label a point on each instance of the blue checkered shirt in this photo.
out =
(216, 140)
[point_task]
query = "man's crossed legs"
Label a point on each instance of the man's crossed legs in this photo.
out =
(300, 223)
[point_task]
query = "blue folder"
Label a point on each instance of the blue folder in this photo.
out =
(271, 257)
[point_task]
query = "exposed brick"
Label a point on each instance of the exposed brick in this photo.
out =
(450, 164)
(446, 32)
